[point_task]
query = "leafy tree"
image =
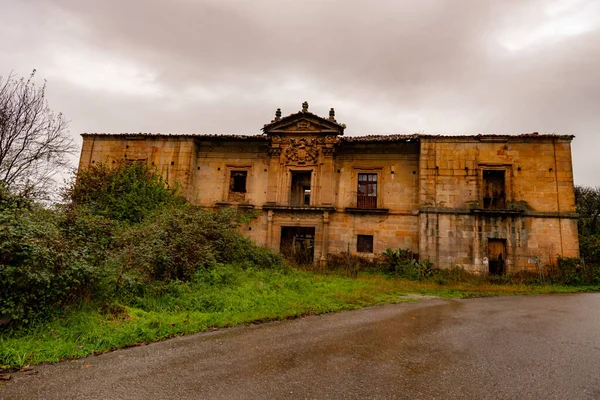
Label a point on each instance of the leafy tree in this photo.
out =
(34, 141)
(588, 207)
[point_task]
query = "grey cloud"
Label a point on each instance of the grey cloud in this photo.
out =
(387, 66)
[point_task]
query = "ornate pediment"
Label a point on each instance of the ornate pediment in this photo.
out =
(304, 122)
(302, 137)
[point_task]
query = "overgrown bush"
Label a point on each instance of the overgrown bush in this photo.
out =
(404, 263)
(123, 192)
(40, 269)
(122, 232)
(175, 242)
(351, 264)
(574, 272)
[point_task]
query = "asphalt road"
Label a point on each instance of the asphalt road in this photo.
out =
(532, 347)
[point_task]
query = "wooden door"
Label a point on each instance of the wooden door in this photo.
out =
(497, 255)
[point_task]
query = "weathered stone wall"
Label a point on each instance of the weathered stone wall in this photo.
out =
(538, 220)
(429, 191)
(172, 156)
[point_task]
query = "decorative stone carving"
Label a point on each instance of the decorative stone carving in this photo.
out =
(328, 151)
(277, 139)
(274, 151)
(328, 139)
(302, 151)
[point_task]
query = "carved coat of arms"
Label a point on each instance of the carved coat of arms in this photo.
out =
(302, 151)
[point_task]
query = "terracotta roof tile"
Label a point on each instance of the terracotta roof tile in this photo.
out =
(343, 139)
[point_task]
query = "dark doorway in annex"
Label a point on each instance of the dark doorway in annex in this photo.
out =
(497, 256)
(298, 244)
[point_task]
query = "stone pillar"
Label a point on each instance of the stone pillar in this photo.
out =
(274, 164)
(327, 177)
(270, 228)
(325, 245)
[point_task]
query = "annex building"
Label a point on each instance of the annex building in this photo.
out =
(489, 203)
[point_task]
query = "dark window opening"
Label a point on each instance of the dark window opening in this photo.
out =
(364, 244)
(238, 181)
(301, 188)
(237, 186)
(497, 256)
(307, 195)
(367, 191)
(494, 189)
(298, 244)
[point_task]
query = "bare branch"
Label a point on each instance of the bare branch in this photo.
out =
(34, 141)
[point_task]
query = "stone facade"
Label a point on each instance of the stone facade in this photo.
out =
(487, 202)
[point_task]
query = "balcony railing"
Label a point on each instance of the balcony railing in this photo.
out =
(366, 201)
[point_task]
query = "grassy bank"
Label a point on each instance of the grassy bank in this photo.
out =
(228, 296)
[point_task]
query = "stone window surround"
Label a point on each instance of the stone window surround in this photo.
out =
(507, 168)
(287, 183)
(365, 250)
(366, 232)
(227, 179)
(368, 170)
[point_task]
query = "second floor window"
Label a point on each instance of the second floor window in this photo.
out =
(300, 188)
(367, 191)
(237, 186)
(494, 189)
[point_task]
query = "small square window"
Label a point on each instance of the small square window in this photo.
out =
(364, 244)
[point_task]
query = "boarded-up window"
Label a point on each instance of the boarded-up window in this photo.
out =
(494, 189)
(367, 191)
(364, 244)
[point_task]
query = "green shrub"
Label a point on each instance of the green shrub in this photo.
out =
(351, 264)
(175, 242)
(123, 192)
(40, 269)
(404, 263)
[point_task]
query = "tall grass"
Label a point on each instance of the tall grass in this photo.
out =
(228, 295)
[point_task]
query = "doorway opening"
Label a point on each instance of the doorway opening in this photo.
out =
(298, 244)
(497, 256)
(300, 190)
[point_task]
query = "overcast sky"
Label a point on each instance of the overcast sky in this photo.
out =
(386, 66)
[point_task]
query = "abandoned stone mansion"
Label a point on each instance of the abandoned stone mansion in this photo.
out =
(489, 203)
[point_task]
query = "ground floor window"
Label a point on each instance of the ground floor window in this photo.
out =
(364, 244)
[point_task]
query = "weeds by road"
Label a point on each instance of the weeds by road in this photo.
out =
(227, 296)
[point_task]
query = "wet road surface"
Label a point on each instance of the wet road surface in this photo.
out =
(532, 347)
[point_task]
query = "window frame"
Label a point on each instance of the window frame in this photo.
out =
(507, 169)
(302, 194)
(232, 176)
(370, 200)
(236, 197)
(366, 248)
